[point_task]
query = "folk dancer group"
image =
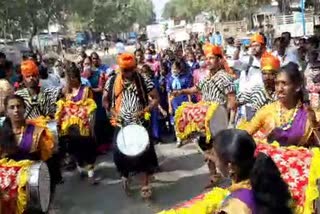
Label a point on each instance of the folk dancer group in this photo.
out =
(265, 99)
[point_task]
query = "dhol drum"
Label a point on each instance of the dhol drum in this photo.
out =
(38, 187)
(24, 181)
(204, 118)
(133, 140)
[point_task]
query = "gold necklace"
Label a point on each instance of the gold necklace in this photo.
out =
(286, 124)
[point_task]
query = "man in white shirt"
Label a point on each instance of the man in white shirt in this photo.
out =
(251, 75)
(286, 52)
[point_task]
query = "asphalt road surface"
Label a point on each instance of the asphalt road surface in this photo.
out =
(183, 175)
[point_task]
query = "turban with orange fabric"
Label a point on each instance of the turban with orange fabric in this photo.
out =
(212, 50)
(126, 61)
(29, 68)
(257, 38)
(270, 63)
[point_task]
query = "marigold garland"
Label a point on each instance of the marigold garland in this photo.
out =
(210, 202)
(192, 127)
(75, 119)
(22, 177)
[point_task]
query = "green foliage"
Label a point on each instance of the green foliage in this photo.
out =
(224, 9)
(31, 16)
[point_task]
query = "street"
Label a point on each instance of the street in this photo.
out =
(183, 175)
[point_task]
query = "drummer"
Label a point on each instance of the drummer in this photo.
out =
(217, 87)
(258, 95)
(75, 115)
(126, 98)
(22, 139)
(37, 102)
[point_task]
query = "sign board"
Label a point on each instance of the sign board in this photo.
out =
(180, 36)
(162, 43)
(198, 28)
(155, 31)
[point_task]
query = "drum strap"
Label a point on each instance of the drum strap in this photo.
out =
(141, 88)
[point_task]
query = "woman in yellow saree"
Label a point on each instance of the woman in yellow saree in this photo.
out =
(289, 120)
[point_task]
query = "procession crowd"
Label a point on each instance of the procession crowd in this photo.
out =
(67, 113)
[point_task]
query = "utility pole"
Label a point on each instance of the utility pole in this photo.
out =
(303, 2)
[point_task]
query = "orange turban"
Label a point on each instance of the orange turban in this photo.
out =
(126, 61)
(29, 68)
(270, 63)
(257, 38)
(212, 50)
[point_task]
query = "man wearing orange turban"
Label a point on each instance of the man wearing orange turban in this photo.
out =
(258, 96)
(250, 75)
(128, 98)
(38, 102)
(218, 86)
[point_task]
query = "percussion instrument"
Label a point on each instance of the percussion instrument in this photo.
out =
(206, 118)
(25, 181)
(38, 187)
(133, 140)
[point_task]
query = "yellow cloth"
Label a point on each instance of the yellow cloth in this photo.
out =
(267, 119)
(43, 138)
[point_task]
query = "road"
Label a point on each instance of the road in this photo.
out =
(183, 175)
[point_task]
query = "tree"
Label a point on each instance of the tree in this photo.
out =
(31, 16)
(224, 9)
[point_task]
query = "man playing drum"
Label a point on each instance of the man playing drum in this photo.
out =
(218, 87)
(128, 97)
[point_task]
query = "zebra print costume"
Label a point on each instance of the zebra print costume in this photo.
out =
(131, 104)
(43, 104)
(217, 87)
(256, 97)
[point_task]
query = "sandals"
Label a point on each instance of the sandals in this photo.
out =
(146, 192)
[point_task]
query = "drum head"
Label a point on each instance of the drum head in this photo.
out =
(39, 187)
(219, 121)
(132, 140)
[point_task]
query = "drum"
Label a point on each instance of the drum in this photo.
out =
(38, 187)
(133, 140)
(205, 118)
(24, 181)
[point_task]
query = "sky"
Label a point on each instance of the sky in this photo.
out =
(159, 5)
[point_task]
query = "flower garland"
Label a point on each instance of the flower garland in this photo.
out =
(204, 204)
(190, 126)
(22, 180)
(69, 113)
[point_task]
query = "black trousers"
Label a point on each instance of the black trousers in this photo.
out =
(146, 162)
(81, 147)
